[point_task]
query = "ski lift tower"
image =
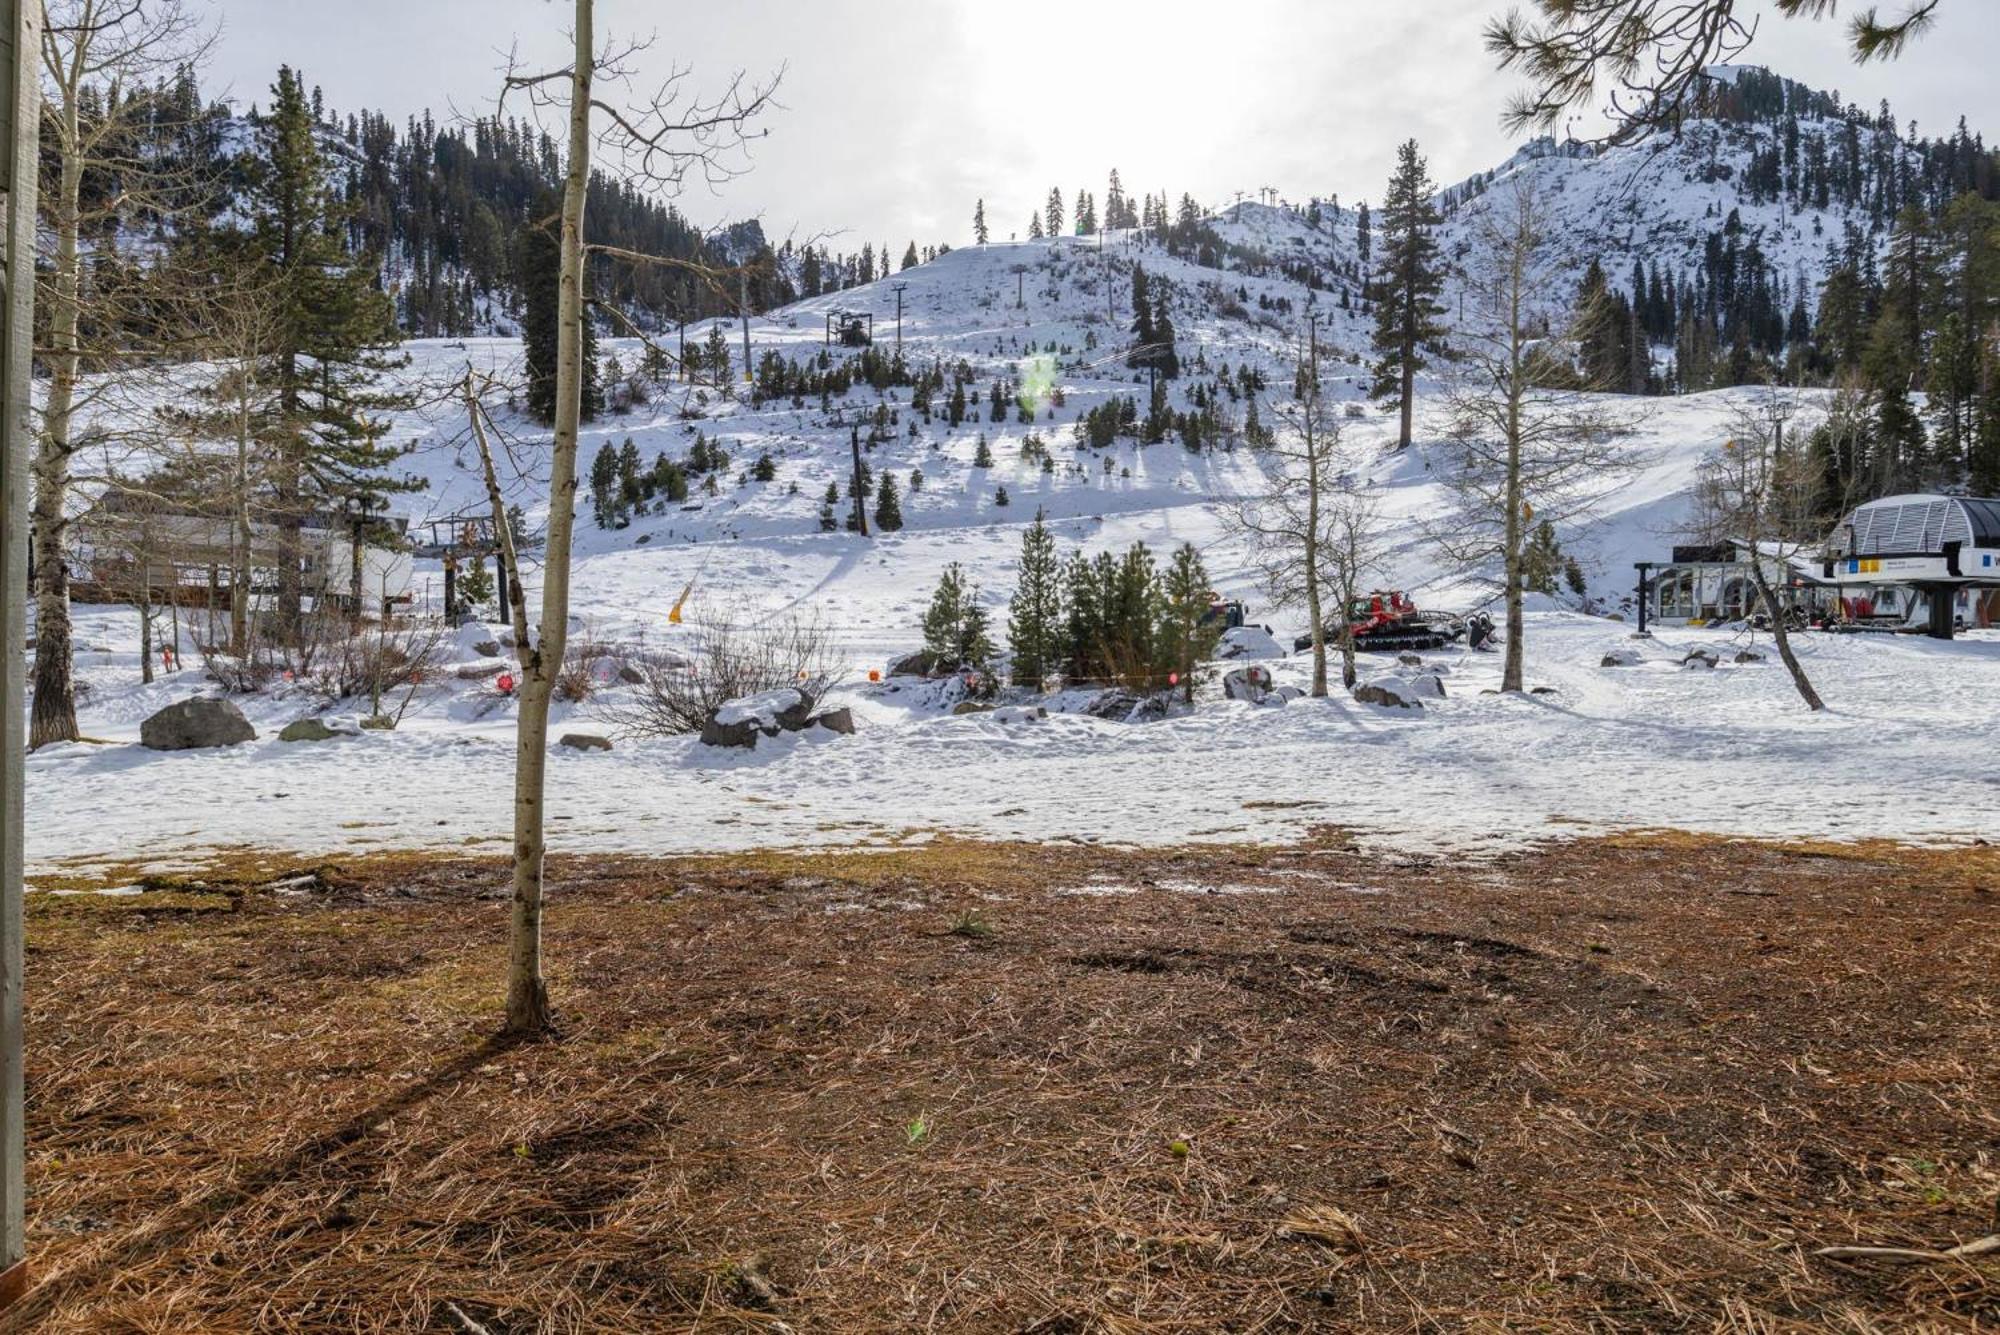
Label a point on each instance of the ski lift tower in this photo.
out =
(20, 113)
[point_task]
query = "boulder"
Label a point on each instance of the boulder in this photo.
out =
(1622, 658)
(193, 724)
(835, 720)
(1749, 656)
(1408, 659)
(584, 741)
(1252, 684)
(307, 730)
(630, 675)
(738, 732)
(1114, 705)
(1391, 692)
(1542, 690)
(379, 723)
(1700, 658)
(1425, 686)
(486, 648)
(919, 664)
(1248, 642)
(479, 671)
(741, 722)
(964, 707)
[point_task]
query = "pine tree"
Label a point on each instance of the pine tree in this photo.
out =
(888, 505)
(1034, 227)
(827, 506)
(910, 260)
(765, 469)
(1184, 641)
(955, 625)
(982, 456)
(1053, 213)
(979, 222)
(1408, 311)
(1083, 620)
(336, 340)
(1142, 319)
(539, 264)
(1035, 632)
(604, 485)
(1000, 498)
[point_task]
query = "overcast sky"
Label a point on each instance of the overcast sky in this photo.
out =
(898, 114)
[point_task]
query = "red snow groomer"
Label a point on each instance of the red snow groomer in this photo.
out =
(1387, 622)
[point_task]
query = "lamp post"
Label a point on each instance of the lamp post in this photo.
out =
(20, 113)
(1644, 586)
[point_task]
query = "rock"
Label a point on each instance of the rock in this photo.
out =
(1251, 684)
(193, 724)
(835, 720)
(964, 707)
(379, 723)
(739, 733)
(741, 722)
(1622, 658)
(1749, 656)
(487, 648)
(307, 730)
(1408, 659)
(1114, 706)
(1700, 658)
(919, 664)
(1284, 695)
(1542, 690)
(584, 741)
(1425, 686)
(479, 671)
(1390, 692)
(1248, 642)
(1020, 714)
(630, 675)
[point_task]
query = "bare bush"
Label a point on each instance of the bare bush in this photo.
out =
(576, 679)
(681, 692)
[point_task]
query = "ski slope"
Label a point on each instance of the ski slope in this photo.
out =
(1900, 754)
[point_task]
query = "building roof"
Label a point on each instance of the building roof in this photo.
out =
(1919, 524)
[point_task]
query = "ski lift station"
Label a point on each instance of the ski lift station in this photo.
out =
(1920, 564)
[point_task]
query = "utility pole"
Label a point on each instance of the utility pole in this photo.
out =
(20, 116)
(899, 315)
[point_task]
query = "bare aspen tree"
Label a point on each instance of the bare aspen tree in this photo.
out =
(101, 62)
(1314, 535)
(660, 142)
(480, 422)
(1757, 491)
(1524, 443)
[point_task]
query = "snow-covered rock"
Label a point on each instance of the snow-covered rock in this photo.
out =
(1248, 642)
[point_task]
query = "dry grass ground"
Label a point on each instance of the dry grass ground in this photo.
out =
(1630, 1084)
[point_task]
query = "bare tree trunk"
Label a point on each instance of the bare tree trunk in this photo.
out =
(1783, 636)
(1313, 600)
(503, 532)
(144, 602)
(53, 718)
(1511, 670)
(527, 991)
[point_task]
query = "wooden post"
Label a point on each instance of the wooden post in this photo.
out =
(20, 114)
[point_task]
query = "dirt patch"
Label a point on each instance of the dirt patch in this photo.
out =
(1629, 1084)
